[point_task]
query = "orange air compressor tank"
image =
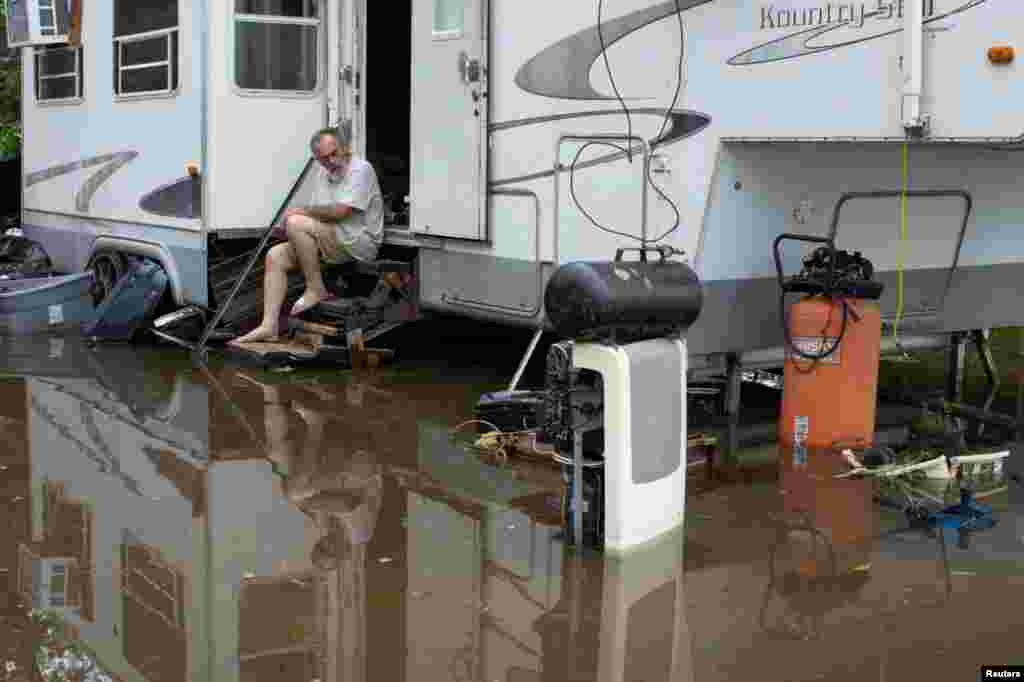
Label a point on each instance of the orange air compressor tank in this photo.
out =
(832, 399)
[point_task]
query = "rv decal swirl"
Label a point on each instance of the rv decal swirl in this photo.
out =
(83, 199)
(876, 20)
(562, 71)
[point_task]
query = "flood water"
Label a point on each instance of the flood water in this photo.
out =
(168, 521)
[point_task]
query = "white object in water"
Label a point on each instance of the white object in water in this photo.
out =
(652, 573)
(644, 437)
(969, 463)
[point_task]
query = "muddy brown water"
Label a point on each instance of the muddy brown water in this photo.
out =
(169, 521)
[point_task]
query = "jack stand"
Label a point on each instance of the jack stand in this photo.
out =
(955, 371)
(733, 388)
(577, 488)
(981, 338)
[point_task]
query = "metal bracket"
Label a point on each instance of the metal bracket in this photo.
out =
(350, 76)
(469, 68)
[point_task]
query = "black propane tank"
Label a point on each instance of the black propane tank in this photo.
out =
(623, 299)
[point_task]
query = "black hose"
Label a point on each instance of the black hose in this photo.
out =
(815, 357)
(572, 190)
(611, 79)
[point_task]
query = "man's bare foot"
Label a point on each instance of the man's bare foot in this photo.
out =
(307, 301)
(260, 333)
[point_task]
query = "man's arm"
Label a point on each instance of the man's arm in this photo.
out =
(328, 213)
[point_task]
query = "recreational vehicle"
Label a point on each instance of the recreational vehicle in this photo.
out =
(512, 137)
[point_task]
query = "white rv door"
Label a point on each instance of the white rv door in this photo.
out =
(449, 118)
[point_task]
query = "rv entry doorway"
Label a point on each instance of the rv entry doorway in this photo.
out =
(387, 115)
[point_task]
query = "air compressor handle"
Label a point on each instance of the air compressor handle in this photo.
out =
(802, 238)
(661, 250)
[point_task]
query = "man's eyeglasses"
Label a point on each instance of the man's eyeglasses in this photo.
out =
(336, 157)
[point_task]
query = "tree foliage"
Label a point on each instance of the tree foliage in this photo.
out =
(10, 96)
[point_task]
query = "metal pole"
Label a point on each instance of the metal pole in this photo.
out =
(526, 358)
(577, 489)
(913, 53)
(733, 405)
(643, 204)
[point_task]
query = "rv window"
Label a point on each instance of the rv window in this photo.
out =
(145, 47)
(448, 18)
(132, 17)
(17, 23)
(58, 73)
(47, 18)
(277, 44)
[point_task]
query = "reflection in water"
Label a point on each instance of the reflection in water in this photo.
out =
(211, 524)
(174, 522)
(821, 557)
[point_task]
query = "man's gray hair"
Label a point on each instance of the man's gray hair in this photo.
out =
(340, 133)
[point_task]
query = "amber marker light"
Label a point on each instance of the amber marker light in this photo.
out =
(1000, 54)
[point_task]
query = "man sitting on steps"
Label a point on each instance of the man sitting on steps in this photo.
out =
(345, 223)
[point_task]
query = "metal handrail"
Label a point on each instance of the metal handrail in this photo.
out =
(888, 194)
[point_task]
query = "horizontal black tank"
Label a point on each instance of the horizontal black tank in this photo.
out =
(622, 299)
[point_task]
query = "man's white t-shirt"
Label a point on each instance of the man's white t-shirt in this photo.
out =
(362, 232)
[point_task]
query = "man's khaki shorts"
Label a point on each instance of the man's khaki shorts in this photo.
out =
(331, 250)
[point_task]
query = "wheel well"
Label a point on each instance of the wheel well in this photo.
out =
(157, 252)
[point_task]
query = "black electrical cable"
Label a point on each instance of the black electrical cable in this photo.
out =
(789, 339)
(670, 203)
(679, 72)
(572, 190)
(628, 150)
(629, 142)
(615, 89)
(665, 120)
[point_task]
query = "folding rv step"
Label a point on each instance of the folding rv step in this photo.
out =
(302, 351)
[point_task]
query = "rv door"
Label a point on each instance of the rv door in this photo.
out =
(449, 118)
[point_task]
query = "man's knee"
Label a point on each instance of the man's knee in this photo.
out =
(296, 224)
(278, 257)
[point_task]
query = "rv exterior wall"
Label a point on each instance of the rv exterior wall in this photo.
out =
(113, 163)
(750, 74)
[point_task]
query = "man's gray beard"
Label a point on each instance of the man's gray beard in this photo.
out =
(336, 177)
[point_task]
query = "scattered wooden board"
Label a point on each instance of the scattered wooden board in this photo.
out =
(316, 328)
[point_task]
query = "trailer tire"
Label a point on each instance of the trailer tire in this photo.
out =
(108, 267)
